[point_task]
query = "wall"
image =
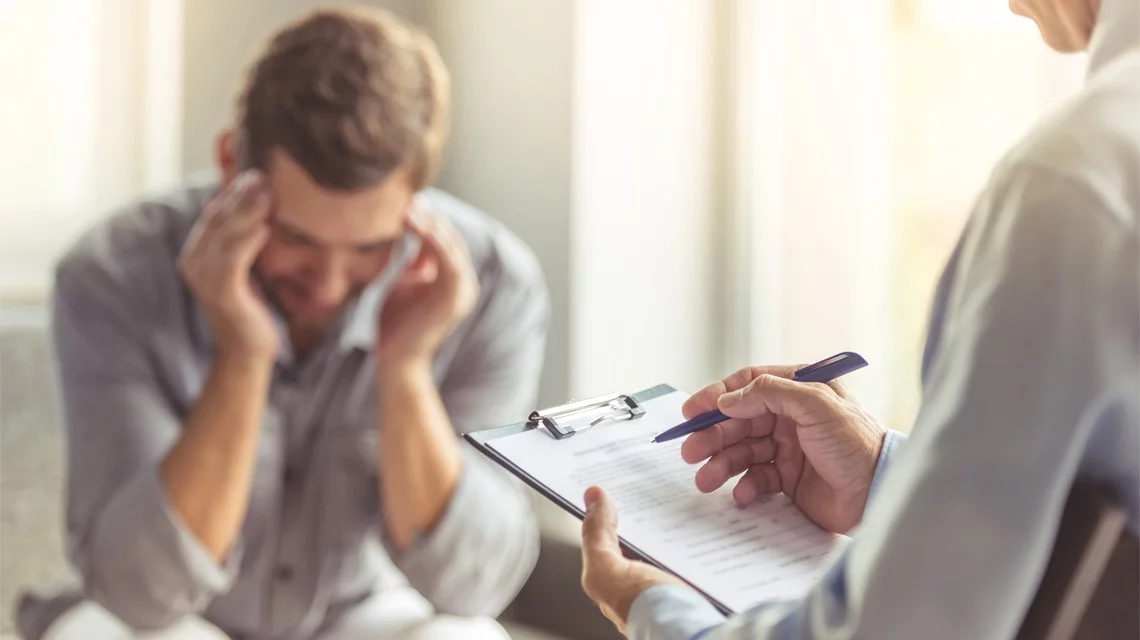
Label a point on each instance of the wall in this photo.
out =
(594, 142)
(816, 92)
(89, 126)
(511, 65)
(645, 293)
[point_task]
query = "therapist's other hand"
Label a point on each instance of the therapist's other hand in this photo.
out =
(810, 441)
(608, 577)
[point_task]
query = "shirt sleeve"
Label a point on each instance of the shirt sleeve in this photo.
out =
(672, 612)
(135, 555)
(484, 547)
(959, 533)
(893, 443)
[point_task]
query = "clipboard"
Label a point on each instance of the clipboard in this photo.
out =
(617, 408)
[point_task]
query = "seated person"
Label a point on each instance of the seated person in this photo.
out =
(1031, 373)
(263, 379)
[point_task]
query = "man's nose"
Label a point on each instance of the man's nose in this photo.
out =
(332, 281)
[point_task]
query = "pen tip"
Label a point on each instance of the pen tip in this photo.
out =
(653, 441)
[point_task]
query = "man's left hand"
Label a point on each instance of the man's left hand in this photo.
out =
(438, 289)
(608, 577)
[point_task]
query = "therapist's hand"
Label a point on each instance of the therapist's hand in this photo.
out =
(608, 577)
(810, 441)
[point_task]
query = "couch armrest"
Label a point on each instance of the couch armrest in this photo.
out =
(553, 600)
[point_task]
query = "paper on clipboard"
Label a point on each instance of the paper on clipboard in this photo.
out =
(738, 556)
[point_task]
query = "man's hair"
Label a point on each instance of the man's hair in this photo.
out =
(352, 95)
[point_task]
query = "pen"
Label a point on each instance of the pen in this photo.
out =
(825, 370)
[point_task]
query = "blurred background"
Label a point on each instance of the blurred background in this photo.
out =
(708, 183)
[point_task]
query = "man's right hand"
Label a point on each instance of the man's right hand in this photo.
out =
(810, 441)
(216, 262)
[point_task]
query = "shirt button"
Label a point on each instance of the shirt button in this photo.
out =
(284, 573)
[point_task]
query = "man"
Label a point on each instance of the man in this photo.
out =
(263, 380)
(1031, 378)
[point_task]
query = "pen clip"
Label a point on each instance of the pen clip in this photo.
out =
(831, 368)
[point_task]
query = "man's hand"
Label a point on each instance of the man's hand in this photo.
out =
(433, 295)
(810, 441)
(215, 263)
(608, 577)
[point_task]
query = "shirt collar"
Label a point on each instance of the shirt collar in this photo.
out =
(1116, 33)
(362, 320)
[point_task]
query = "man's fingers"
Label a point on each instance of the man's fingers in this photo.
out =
(734, 461)
(802, 402)
(704, 444)
(703, 400)
(759, 480)
(241, 223)
(706, 399)
(599, 527)
(245, 251)
(231, 218)
(231, 197)
(440, 238)
(423, 269)
(841, 389)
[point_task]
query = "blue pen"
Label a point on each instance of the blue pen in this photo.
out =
(825, 370)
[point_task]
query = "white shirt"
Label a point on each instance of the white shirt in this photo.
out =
(1031, 379)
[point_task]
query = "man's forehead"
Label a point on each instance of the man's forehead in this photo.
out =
(336, 217)
(338, 226)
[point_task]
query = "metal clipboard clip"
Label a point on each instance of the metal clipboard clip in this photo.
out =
(621, 407)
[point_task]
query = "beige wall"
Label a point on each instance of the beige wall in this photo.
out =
(511, 63)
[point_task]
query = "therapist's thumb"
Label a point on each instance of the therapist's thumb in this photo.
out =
(773, 394)
(599, 527)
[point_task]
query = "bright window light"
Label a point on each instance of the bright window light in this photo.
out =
(967, 13)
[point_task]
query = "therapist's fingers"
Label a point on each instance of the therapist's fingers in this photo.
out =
(734, 461)
(706, 399)
(704, 444)
(599, 527)
(759, 480)
(842, 390)
(806, 403)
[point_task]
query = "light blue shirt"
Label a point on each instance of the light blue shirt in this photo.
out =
(1031, 379)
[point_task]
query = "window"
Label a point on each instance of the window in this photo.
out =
(93, 121)
(864, 132)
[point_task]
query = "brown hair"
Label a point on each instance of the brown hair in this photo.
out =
(352, 95)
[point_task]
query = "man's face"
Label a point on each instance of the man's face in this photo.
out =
(1065, 25)
(326, 246)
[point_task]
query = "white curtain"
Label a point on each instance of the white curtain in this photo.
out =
(865, 130)
(89, 117)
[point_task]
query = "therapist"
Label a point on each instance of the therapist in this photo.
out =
(1031, 379)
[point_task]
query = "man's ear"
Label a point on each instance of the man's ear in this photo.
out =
(226, 156)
